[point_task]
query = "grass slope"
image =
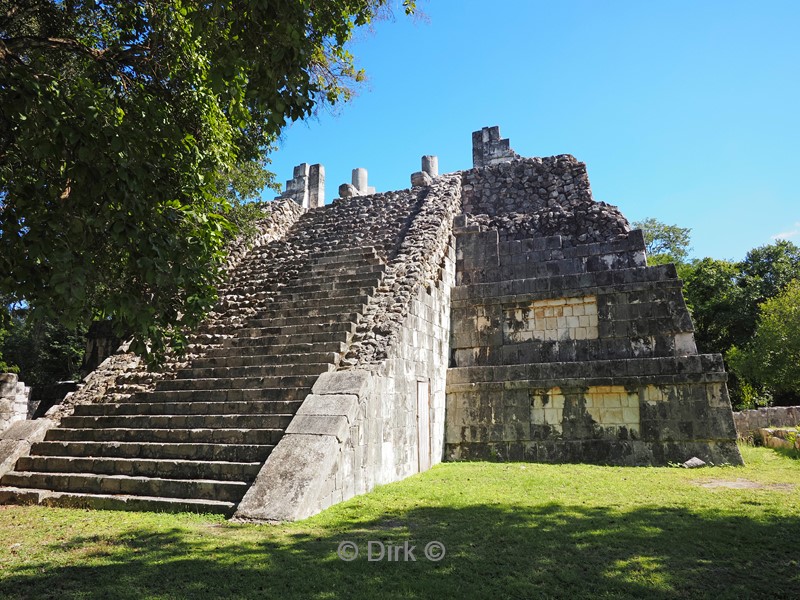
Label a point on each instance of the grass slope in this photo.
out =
(510, 530)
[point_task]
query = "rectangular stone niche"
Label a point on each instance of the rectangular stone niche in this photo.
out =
(555, 319)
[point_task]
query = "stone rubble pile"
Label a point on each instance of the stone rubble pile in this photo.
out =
(539, 197)
(585, 223)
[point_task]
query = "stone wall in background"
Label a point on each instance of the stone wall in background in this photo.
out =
(14, 396)
(748, 422)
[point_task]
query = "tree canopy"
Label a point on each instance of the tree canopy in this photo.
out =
(121, 125)
(664, 243)
(771, 359)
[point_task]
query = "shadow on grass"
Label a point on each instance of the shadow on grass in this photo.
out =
(793, 453)
(491, 552)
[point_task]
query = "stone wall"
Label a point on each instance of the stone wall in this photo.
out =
(382, 416)
(384, 442)
(748, 422)
(564, 345)
(14, 396)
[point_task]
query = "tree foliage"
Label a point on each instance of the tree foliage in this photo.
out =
(43, 351)
(714, 298)
(119, 124)
(664, 243)
(734, 307)
(771, 360)
(725, 299)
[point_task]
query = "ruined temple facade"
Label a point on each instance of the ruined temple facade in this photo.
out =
(496, 313)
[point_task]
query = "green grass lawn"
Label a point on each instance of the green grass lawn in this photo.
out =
(510, 531)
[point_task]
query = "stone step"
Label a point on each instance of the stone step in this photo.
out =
(286, 343)
(264, 394)
(262, 327)
(241, 289)
(173, 436)
(354, 267)
(267, 359)
(255, 371)
(202, 489)
(126, 388)
(328, 294)
(142, 467)
(313, 314)
(339, 315)
(191, 421)
(336, 281)
(156, 450)
(320, 257)
(235, 383)
(188, 408)
(314, 304)
(354, 256)
(14, 495)
(277, 347)
(309, 286)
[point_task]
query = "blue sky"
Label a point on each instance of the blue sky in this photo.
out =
(686, 111)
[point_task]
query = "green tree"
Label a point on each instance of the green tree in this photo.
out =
(714, 298)
(765, 273)
(121, 121)
(664, 243)
(43, 351)
(771, 360)
(724, 298)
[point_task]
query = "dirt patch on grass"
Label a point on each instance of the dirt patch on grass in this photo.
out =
(745, 484)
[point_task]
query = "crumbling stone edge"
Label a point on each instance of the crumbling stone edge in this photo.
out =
(418, 263)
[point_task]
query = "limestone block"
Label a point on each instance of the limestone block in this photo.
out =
(336, 426)
(291, 483)
(16, 441)
(8, 384)
(359, 179)
(331, 405)
(430, 165)
(29, 430)
(347, 190)
(420, 179)
(353, 382)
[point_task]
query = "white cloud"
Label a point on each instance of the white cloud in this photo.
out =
(788, 234)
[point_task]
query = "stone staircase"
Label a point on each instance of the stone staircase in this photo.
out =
(197, 441)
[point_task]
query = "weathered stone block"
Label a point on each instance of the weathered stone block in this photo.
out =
(353, 382)
(336, 426)
(290, 484)
(345, 405)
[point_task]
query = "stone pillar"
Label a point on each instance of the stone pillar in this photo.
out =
(430, 165)
(360, 182)
(489, 149)
(297, 186)
(360, 179)
(316, 186)
(13, 400)
(430, 169)
(307, 186)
